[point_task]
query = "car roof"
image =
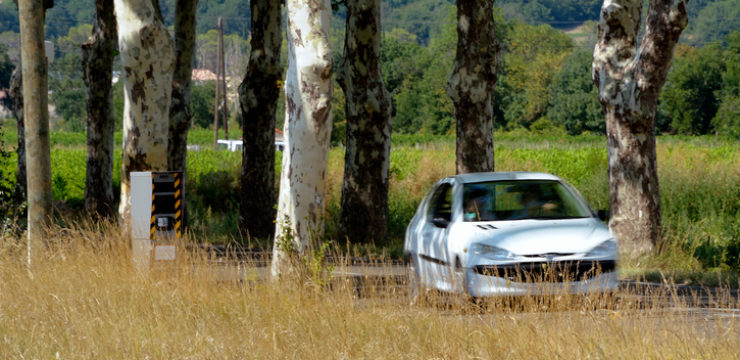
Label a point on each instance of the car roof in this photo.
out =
(503, 175)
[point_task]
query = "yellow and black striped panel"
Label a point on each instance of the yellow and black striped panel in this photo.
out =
(167, 203)
(153, 224)
(178, 203)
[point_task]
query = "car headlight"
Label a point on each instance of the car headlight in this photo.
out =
(606, 249)
(491, 252)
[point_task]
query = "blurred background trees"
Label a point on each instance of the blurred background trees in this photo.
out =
(543, 75)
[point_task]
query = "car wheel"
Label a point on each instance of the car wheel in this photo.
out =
(462, 295)
(416, 289)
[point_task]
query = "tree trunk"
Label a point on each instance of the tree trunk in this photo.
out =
(364, 214)
(147, 58)
(308, 94)
(258, 97)
(36, 118)
(97, 63)
(471, 86)
(16, 96)
(180, 114)
(629, 82)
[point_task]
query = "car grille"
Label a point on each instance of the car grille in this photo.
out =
(555, 271)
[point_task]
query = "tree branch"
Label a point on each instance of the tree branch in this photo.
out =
(665, 22)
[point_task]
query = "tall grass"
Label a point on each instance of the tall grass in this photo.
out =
(83, 299)
(699, 183)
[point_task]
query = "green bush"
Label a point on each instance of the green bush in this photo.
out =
(202, 97)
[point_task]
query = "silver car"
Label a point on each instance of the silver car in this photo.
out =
(509, 233)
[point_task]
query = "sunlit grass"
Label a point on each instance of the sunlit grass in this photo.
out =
(700, 192)
(83, 299)
(699, 184)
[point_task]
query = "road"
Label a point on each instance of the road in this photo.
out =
(366, 274)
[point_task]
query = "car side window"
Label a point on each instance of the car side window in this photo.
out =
(440, 206)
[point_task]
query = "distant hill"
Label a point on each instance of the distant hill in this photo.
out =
(709, 19)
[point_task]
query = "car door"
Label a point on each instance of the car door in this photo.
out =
(434, 261)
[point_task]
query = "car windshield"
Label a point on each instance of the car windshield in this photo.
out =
(521, 200)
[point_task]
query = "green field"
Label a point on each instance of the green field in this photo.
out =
(699, 179)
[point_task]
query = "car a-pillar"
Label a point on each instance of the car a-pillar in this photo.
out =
(156, 217)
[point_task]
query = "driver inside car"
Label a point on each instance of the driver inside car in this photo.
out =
(533, 205)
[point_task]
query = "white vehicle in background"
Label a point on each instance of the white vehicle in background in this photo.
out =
(231, 145)
(509, 233)
(236, 145)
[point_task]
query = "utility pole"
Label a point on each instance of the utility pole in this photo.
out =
(222, 68)
(218, 88)
(36, 116)
(220, 102)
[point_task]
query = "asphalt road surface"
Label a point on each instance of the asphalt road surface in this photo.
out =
(366, 275)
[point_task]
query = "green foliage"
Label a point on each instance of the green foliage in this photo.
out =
(6, 185)
(6, 68)
(534, 55)
(212, 190)
(404, 63)
(575, 100)
(689, 95)
(70, 43)
(701, 92)
(418, 79)
(68, 176)
(68, 95)
(236, 16)
(118, 99)
(563, 12)
(545, 126)
(60, 18)
(12, 208)
(9, 17)
(65, 81)
(421, 17)
(713, 22)
(202, 98)
(235, 47)
(727, 120)
(399, 58)
(541, 75)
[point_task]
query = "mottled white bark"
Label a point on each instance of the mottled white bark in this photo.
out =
(629, 80)
(308, 94)
(147, 57)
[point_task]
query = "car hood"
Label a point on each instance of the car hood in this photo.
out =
(530, 237)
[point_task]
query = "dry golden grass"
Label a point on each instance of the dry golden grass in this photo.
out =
(83, 299)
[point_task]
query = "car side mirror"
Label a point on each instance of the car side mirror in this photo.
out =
(440, 222)
(603, 215)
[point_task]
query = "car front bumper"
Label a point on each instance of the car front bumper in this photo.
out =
(482, 284)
